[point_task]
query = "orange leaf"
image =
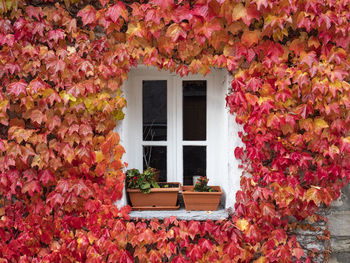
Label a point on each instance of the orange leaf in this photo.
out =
(242, 224)
(250, 37)
(312, 194)
(175, 32)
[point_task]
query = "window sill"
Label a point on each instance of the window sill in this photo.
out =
(181, 214)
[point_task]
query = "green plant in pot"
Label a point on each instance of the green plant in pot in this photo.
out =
(202, 185)
(201, 196)
(146, 194)
(143, 181)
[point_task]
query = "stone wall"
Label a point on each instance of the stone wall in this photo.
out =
(339, 226)
(312, 237)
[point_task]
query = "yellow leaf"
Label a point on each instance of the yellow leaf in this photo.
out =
(134, 30)
(99, 156)
(238, 12)
(89, 104)
(242, 224)
(320, 124)
(260, 260)
(263, 99)
(3, 103)
(66, 96)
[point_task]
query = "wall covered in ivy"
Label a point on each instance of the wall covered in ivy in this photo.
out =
(61, 67)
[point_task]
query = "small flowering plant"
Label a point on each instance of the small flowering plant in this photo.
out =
(143, 181)
(202, 185)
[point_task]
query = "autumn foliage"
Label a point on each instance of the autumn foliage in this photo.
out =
(62, 64)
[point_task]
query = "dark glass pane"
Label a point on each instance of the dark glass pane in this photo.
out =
(195, 162)
(154, 109)
(155, 157)
(194, 110)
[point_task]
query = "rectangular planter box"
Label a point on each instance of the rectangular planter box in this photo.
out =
(208, 201)
(161, 198)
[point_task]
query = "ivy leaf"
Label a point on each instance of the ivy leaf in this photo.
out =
(87, 14)
(297, 46)
(56, 35)
(298, 252)
(345, 144)
(200, 10)
(250, 37)
(53, 122)
(36, 85)
(2, 146)
(194, 253)
(320, 124)
(54, 199)
(308, 58)
(164, 4)
(111, 140)
(31, 187)
(205, 244)
(17, 88)
(85, 130)
(175, 32)
(117, 10)
(104, 2)
(260, 3)
(34, 12)
(238, 12)
(37, 116)
(210, 27)
(242, 224)
(312, 194)
(46, 176)
(125, 257)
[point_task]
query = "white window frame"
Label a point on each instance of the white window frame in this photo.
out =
(222, 167)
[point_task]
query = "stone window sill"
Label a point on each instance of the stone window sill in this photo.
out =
(181, 214)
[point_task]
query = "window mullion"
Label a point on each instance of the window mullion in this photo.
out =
(178, 128)
(170, 140)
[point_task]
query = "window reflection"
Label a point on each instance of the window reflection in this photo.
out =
(154, 109)
(155, 157)
(194, 162)
(194, 110)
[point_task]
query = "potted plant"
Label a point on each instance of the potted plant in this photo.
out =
(146, 194)
(201, 196)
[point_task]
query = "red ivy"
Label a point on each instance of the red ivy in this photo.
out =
(60, 101)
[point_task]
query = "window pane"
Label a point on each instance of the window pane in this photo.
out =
(154, 110)
(155, 157)
(194, 162)
(194, 110)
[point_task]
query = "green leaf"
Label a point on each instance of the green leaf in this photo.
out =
(145, 185)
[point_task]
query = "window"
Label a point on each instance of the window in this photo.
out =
(182, 127)
(173, 124)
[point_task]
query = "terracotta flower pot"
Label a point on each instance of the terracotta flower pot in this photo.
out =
(201, 200)
(158, 199)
